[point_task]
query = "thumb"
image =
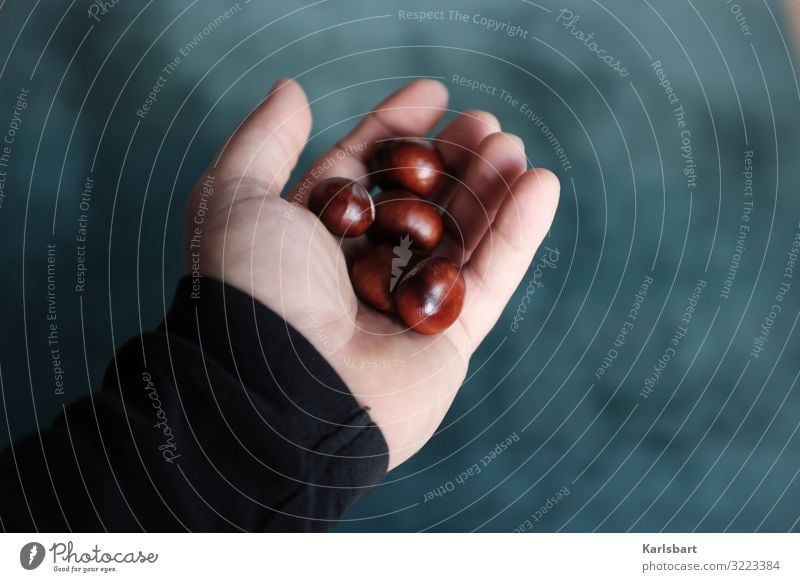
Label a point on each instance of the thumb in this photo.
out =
(255, 161)
(263, 150)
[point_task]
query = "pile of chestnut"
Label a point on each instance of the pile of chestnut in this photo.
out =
(395, 272)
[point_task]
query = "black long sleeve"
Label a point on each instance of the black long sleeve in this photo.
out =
(223, 419)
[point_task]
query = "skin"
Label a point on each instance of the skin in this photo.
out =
(281, 255)
(792, 8)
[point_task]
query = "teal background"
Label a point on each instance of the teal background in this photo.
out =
(713, 448)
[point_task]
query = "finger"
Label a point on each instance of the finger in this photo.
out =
(499, 161)
(265, 147)
(505, 253)
(412, 111)
(458, 143)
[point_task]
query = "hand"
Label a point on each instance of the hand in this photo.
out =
(277, 251)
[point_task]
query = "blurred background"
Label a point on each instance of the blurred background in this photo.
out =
(643, 377)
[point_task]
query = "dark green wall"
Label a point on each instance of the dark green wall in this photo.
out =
(713, 446)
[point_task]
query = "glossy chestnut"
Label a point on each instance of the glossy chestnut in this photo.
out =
(344, 206)
(430, 297)
(411, 164)
(377, 270)
(400, 214)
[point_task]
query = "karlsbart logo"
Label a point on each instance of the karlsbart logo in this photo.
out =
(31, 555)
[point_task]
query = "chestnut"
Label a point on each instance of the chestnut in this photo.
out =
(401, 214)
(378, 269)
(412, 164)
(430, 297)
(343, 206)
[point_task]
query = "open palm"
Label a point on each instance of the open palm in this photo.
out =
(273, 248)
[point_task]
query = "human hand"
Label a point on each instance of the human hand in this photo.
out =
(277, 251)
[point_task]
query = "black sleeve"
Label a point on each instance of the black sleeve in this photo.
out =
(223, 419)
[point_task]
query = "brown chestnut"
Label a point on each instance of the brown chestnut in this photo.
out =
(412, 164)
(344, 206)
(430, 297)
(401, 214)
(378, 269)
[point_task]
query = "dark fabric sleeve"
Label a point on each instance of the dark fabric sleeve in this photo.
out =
(223, 419)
